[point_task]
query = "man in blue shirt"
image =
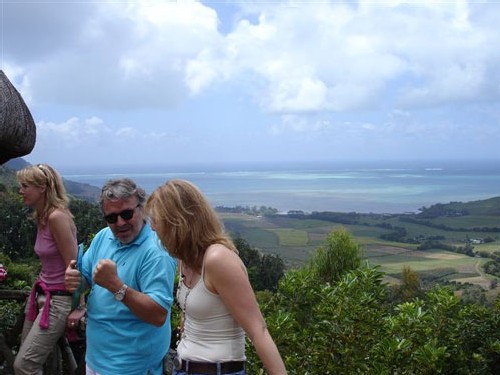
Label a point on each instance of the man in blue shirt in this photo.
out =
(131, 279)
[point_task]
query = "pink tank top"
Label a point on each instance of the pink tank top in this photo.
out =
(53, 266)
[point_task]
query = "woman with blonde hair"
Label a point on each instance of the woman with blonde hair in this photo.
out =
(215, 295)
(49, 304)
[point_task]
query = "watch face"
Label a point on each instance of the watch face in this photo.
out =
(120, 294)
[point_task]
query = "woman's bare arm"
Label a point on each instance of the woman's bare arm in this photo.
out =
(63, 230)
(225, 275)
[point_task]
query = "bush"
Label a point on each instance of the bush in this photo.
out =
(346, 327)
(338, 255)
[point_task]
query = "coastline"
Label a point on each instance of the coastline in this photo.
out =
(398, 187)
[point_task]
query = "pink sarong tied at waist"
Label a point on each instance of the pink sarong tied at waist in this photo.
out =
(32, 308)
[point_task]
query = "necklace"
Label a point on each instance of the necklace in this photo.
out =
(189, 277)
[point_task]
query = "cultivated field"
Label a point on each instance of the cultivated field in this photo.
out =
(295, 239)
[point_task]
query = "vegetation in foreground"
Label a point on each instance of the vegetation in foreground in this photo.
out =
(336, 316)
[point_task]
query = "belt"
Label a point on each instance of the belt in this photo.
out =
(39, 290)
(60, 293)
(208, 368)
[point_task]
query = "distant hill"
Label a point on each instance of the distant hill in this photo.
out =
(16, 164)
(83, 191)
(485, 207)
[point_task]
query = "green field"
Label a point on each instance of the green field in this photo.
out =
(291, 237)
(294, 240)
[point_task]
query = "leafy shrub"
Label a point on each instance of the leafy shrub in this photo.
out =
(9, 312)
(345, 326)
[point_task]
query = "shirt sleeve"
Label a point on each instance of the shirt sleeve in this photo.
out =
(157, 277)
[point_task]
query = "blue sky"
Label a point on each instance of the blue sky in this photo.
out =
(175, 82)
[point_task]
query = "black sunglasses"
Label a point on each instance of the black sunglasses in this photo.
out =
(125, 215)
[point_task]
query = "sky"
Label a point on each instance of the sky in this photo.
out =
(176, 82)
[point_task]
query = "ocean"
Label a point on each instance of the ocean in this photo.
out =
(364, 187)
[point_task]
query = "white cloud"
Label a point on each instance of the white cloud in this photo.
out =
(366, 75)
(351, 55)
(87, 141)
(127, 132)
(302, 56)
(70, 132)
(301, 94)
(121, 55)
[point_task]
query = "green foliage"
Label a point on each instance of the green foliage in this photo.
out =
(9, 312)
(345, 326)
(21, 276)
(409, 288)
(440, 336)
(481, 207)
(492, 267)
(473, 294)
(337, 256)
(88, 219)
(479, 335)
(264, 270)
(350, 315)
(249, 255)
(8, 177)
(17, 230)
(269, 273)
(326, 329)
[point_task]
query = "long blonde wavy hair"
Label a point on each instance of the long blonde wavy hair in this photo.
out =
(44, 176)
(185, 222)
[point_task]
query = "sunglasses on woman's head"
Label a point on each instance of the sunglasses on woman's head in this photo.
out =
(125, 215)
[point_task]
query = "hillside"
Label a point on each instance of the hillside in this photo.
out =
(485, 207)
(83, 191)
(445, 243)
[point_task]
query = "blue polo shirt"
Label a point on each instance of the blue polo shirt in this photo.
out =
(118, 342)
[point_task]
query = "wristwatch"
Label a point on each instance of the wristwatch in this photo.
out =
(120, 293)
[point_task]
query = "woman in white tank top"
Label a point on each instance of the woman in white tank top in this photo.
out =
(218, 303)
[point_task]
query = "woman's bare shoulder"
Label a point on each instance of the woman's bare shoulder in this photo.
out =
(57, 214)
(222, 266)
(59, 217)
(219, 255)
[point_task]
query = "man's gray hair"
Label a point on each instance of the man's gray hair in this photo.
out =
(122, 188)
